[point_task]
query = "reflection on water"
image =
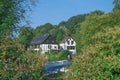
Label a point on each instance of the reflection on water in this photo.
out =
(55, 66)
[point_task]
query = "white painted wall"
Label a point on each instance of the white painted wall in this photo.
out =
(62, 46)
(47, 47)
(44, 48)
(54, 47)
(65, 44)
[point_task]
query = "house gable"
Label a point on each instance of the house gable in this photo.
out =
(68, 44)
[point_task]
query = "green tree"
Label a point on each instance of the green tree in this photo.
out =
(12, 12)
(54, 32)
(99, 60)
(63, 55)
(88, 28)
(25, 35)
(66, 31)
(60, 35)
(18, 64)
(100, 48)
(43, 29)
(72, 22)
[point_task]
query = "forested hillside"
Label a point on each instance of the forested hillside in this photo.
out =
(71, 27)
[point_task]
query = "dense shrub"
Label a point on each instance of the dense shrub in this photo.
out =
(100, 60)
(62, 55)
(18, 64)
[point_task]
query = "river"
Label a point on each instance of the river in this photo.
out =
(55, 66)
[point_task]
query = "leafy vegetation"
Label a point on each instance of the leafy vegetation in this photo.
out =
(97, 35)
(25, 35)
(62, 55)
(100, 60)
(12, 12)
(100, 48)
(17, 63)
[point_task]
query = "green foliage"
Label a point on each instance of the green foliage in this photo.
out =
(15, 62)
(53, 32)
(18, 64)
(12, 12)
(89, 27)
(60, 35)
(52, 56)
(63, 55)
(43, 29)
(100, 48)
(72, 22)
(63, 29)
(32, 66)
(94, 22)
(109, 40)
(114, 15)
(99, 60)
(99, 45)
(25, 35)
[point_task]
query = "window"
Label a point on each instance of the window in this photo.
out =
(49, 46)
(72, 42)
(70, 47)
(55, 47)
(68, 42)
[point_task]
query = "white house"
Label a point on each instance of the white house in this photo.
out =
(68, 44)
(46, 43)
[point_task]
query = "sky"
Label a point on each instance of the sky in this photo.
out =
(55, 11)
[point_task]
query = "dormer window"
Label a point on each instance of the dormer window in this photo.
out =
(68, 42)
(72, 42)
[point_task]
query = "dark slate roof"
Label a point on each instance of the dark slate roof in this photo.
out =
(45, 39)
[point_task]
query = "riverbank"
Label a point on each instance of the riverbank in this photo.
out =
(55, 76)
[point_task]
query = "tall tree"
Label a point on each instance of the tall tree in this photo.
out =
(12, 12)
